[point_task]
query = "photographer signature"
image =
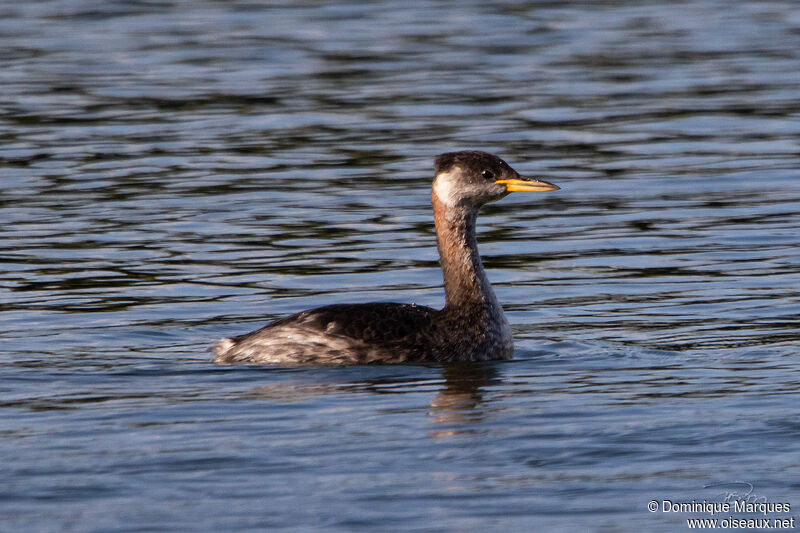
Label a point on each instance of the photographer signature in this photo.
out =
(737, 491)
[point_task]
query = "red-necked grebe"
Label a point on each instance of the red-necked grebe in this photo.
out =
(470, 327)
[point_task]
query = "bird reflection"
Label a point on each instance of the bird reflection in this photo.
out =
(458, 404)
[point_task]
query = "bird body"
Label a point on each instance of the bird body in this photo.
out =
(470, 327)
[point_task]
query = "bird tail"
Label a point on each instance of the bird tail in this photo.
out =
(221, 348)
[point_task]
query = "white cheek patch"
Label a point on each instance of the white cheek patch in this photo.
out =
(445, 189)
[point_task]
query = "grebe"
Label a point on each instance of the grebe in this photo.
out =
(470, 327)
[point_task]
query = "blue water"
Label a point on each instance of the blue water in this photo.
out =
(174, 172)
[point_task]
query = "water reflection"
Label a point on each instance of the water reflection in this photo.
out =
(456, 393)
(462, 402)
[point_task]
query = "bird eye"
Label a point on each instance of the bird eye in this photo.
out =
(488, 174)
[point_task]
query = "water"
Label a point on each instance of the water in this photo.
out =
(175, 172)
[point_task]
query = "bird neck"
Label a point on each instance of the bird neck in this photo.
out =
(465, 283)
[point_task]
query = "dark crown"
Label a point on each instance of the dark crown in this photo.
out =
(470, 159)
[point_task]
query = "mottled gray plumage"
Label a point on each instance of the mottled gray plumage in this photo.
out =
(344, 333)
(471, 326)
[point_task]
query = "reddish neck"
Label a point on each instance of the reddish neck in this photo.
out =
(465, 283)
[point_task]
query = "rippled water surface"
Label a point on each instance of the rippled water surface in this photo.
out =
(173, 172)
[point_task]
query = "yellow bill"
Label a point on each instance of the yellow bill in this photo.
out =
(528, 185)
